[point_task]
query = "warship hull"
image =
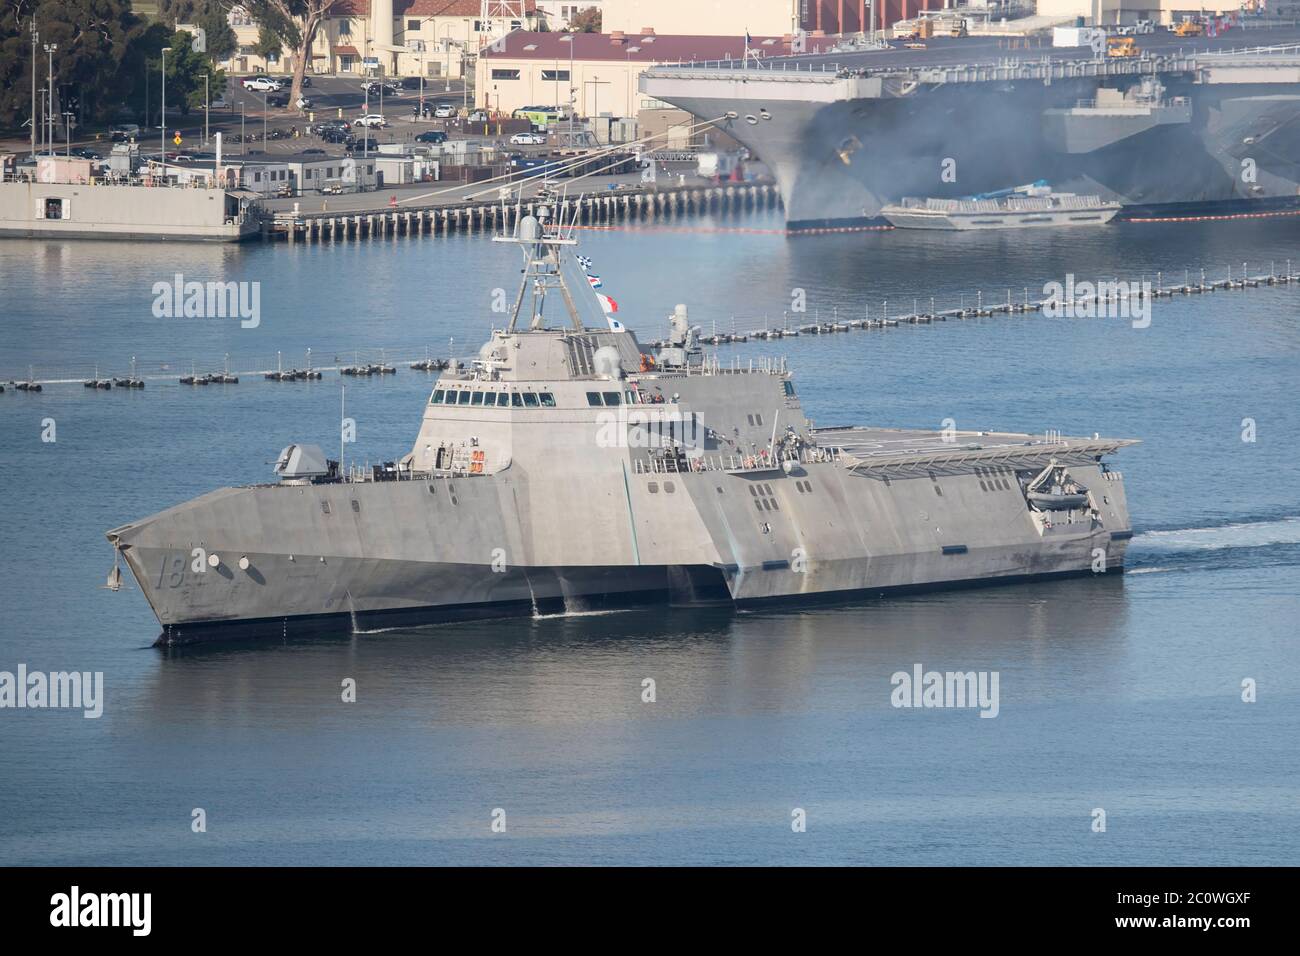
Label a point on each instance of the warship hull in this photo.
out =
(305, 560)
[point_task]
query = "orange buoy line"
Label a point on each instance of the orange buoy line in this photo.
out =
(1226, 216)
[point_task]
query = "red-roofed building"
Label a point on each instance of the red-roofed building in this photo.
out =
(597, 73)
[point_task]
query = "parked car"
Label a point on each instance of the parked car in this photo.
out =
(306, 82)
(124, 131)
(277, 99)
(432, 136)
(313, 151)
(371, 121)
(410, 82)
(444, 111)
(480, 116)
(527, 139)
(363, 145)
(331, 189)
(336, 136)
(82, 153)
(261, 84)
(218, 102)
(374, 87)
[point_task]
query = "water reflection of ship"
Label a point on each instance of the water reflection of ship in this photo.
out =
(706, 660)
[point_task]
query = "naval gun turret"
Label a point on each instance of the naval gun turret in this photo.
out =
(682, 347)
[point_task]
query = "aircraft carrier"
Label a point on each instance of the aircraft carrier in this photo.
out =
(1190, 127)
(567, 467)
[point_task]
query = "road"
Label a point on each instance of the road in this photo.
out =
(424, 195)
(330, 95)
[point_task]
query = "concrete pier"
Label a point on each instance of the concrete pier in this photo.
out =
(595, 209)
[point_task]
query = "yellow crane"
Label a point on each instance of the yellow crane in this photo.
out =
(1121, 47)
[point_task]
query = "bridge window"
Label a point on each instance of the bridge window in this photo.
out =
(653, 487)
(548, 400)
(530, 400)
(593, 399)
(464, 398)
(516, 400)
(477, 399)
(437, 397)
(611, 398)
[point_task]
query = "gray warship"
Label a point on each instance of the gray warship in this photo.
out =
(1168, 133)
(570, 467)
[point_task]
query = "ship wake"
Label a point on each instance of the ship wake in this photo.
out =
(1273, 542)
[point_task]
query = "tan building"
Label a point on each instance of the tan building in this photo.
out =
(1098, 12)
(704, 17)
(560, 13)
(434, 38)
(596, 73)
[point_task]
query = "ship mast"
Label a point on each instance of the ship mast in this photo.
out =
(541, 238)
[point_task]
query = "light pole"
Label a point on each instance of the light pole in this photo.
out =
(241, 128)
(67, 128)
(162, 116)
(446, 44)
(266, 108)
(49, 92)
(464, 83)
(35, 39)
(206, 102)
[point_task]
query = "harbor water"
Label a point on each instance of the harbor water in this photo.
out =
(1116, 693)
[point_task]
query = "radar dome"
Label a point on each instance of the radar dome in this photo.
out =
(607, 362)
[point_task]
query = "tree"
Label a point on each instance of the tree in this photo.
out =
(296, 22)
(268, 45)
(185, 72)
(586, 21)
(221, 36)
(95, 40)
